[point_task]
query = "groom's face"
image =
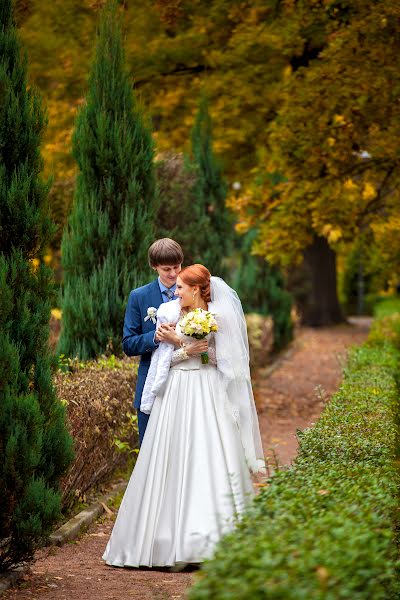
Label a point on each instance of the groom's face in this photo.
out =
(168, 273)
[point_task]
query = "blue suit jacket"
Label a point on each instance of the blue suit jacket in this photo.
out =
(138, 338)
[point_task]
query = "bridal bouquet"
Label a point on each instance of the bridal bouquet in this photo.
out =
(198, 323)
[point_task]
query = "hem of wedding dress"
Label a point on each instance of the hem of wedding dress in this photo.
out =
(154, 566)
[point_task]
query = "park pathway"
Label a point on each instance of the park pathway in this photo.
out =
(290, 395)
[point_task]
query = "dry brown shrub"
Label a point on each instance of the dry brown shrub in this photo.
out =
(98, 395)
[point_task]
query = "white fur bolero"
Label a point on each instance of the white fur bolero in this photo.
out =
(157, 375)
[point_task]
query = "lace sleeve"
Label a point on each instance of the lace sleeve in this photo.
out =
(178, 356)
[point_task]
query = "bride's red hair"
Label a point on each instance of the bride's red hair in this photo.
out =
(198, 275)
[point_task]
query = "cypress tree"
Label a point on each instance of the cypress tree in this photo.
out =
(104, 247)
(178, 215)
(210, 191)
(35, 447)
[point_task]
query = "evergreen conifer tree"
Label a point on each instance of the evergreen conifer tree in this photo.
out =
(261, 289)
(215, 223)
(104, 248)
(35, 447)
(179, 215)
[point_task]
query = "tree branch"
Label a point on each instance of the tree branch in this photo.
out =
(373, 206)
(179, 69)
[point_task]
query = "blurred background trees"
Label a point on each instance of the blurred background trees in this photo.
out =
(35, 447)
(176, 52)
(210, 197)
(302, 99)
(335, 139)
(192, 200)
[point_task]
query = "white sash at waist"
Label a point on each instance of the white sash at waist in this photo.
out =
(191, 364)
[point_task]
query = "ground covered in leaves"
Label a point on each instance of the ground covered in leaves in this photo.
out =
(290, 395)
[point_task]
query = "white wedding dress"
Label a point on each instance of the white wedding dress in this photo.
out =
(191, 480)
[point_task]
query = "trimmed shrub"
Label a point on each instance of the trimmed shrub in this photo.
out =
(386, 331)
(98, 396)
(325, 529)
(386, 306)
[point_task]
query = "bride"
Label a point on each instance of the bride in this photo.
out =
(192, 477)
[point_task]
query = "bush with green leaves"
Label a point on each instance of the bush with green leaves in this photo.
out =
(261, 288)
(325, 529)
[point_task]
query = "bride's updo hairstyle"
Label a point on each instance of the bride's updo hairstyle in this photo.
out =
(198, 275)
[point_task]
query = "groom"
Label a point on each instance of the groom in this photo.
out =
(140, 336)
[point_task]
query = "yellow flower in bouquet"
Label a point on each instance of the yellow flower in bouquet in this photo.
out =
(198, 323)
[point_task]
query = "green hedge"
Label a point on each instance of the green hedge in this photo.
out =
(325, 529)
(384, 307)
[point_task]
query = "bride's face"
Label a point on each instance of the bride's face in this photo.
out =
(185, 292)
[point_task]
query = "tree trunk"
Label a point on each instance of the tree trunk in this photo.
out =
(322, 306)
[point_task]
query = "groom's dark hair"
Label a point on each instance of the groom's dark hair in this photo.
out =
(165, 252)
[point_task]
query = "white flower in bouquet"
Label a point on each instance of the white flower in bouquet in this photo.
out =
(199, 323)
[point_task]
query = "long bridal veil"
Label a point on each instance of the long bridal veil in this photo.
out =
(233, 360)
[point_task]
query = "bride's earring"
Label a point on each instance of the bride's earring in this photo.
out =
(194, 294)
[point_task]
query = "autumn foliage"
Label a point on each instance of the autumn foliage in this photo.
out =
(303, 97)
(335, 138)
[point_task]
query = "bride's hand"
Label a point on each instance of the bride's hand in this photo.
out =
(166, 333)
(197, 347)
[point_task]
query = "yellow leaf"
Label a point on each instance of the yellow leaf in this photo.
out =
(349, 184)
(369, 191)
(241, 227)
(334, 235)
(35, 263)
(287, 71)
(56, 313)
(339, 120)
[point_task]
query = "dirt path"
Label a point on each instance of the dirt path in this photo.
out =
(287, 400)
(292, 396)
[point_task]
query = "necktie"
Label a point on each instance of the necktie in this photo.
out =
(169, 293)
